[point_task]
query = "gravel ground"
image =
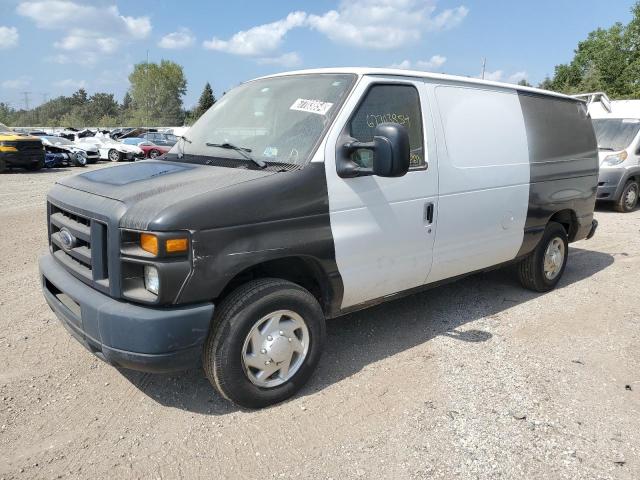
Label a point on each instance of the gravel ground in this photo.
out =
(477, 379)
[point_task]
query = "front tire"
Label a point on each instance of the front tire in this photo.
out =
(265, 342)
(34, 167)
(114, 155)
(542, 269)
(629, 198)
(154, 153)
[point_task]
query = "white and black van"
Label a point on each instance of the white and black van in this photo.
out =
(307, 195)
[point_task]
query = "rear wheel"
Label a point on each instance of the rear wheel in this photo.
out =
(629, 198)
(542, 269)
(114, 155)
(265, 343)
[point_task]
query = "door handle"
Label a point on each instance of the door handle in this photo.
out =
(428, 213)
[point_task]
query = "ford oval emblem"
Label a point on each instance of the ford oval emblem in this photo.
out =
(67, 239)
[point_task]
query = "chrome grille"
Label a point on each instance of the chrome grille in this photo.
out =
(85, 250)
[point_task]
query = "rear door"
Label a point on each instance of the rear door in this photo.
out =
(383, 228)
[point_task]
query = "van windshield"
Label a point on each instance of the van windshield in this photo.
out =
(272, 120)
(615, 133)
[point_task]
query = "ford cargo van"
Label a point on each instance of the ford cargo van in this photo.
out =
(307, 195)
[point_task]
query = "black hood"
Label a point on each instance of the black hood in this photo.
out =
(149, 187)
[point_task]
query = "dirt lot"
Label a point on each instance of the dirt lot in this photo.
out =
(477, 379)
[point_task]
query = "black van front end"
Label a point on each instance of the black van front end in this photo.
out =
(122, 333)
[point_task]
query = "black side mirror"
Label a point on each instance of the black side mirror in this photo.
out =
(388, 153)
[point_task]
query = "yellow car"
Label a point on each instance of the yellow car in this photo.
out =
(20, 150)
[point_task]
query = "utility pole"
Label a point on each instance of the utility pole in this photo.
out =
(484, 66)
(26, 99)
(146, 115)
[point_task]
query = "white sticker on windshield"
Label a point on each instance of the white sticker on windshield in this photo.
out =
(311, 106)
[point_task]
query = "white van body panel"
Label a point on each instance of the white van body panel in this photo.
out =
(484, 174)
(382, 244)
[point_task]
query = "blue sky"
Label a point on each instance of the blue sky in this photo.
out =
(52, 47)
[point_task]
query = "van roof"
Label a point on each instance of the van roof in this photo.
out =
(360, 71)
(619, 109)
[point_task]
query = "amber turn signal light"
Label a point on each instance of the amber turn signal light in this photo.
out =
(176, 245)
(149, 243)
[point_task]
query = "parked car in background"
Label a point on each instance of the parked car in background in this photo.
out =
(113, 150)
(151, 150)
(617, 127)
(163, 139)
(80, 153)
(20, 150)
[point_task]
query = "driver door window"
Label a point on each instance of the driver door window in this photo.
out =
(389, 103)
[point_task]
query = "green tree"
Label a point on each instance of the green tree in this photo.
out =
(156, 93)
(207, 99)
(524, 83)
(607, 60)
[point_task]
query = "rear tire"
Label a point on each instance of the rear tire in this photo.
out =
(629, 198)
(542, 269)
(230, 343)
(114, 155)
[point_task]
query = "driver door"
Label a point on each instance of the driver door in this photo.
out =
(383, 228)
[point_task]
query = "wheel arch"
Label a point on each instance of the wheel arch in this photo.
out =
(568, 219)
(303, 270)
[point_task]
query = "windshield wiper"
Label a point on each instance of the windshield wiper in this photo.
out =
(245, 152)
(605, 148)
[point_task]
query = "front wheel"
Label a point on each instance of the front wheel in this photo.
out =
(114, 155)
(266, 340)
(154, 153)
(542, 269)
(629, 198)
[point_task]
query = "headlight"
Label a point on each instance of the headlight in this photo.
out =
(151, 279)
(615, 159)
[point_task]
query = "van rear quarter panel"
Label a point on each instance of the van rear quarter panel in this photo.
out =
(563, 156)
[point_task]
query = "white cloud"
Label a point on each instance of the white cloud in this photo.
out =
(8, 37)
(290, 59)
(21, 82)
(69, 83)
(183, 38)
(403, 65)
(501, 76)
(496, 76)
(518, 77)
(434, 63)
(260, 40)
(88, 30)
(384, 24)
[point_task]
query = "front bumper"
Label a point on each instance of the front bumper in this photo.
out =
(22, 159)
(609, 183)
(121, 333)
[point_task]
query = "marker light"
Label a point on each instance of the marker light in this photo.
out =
(149, 243)
(176, 245)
